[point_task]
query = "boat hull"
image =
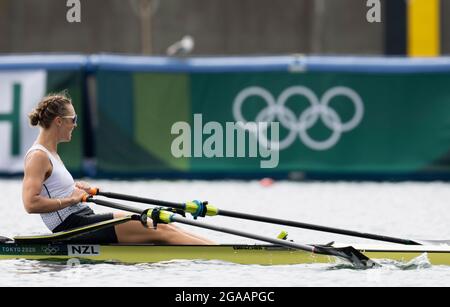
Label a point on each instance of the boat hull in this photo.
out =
(242, 254)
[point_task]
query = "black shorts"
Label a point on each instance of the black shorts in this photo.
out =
(88, 217)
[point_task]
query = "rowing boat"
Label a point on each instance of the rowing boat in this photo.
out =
(237, 253)
(69, 244)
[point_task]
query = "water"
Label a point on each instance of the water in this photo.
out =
(410, 210)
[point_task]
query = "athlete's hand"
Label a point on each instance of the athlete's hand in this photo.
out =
(83, 185)
(77, 195)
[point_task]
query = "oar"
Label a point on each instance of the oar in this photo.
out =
(349, 253)
(197, 208)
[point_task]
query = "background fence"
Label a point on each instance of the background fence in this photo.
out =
(232, 27)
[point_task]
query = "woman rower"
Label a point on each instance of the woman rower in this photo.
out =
(49, 189)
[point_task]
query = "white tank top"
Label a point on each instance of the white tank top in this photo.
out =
(60, 184)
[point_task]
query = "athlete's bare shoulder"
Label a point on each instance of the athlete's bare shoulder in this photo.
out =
(37, 162)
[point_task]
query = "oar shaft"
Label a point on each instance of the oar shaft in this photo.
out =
(350, 254)
(142, 200)
(113, 205)
(351, 233)
(182, 220)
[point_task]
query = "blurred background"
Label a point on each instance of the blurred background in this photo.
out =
(232, 27)
(363, 86)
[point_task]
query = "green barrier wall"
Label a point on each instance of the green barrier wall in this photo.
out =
(337, 116)
(332, 121)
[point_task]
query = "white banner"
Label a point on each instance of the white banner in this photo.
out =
(19, 94)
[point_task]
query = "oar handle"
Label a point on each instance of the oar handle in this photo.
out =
(90, 199)
(155, 202)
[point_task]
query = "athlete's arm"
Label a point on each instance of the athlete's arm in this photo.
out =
(37, 169)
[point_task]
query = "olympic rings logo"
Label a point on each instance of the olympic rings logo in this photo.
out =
(276, 109)
(50, 250)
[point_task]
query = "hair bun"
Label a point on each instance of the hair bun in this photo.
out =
(34, 118)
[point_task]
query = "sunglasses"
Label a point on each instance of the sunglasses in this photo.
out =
(74, 118)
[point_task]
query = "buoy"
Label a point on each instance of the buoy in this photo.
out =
(266, 182)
